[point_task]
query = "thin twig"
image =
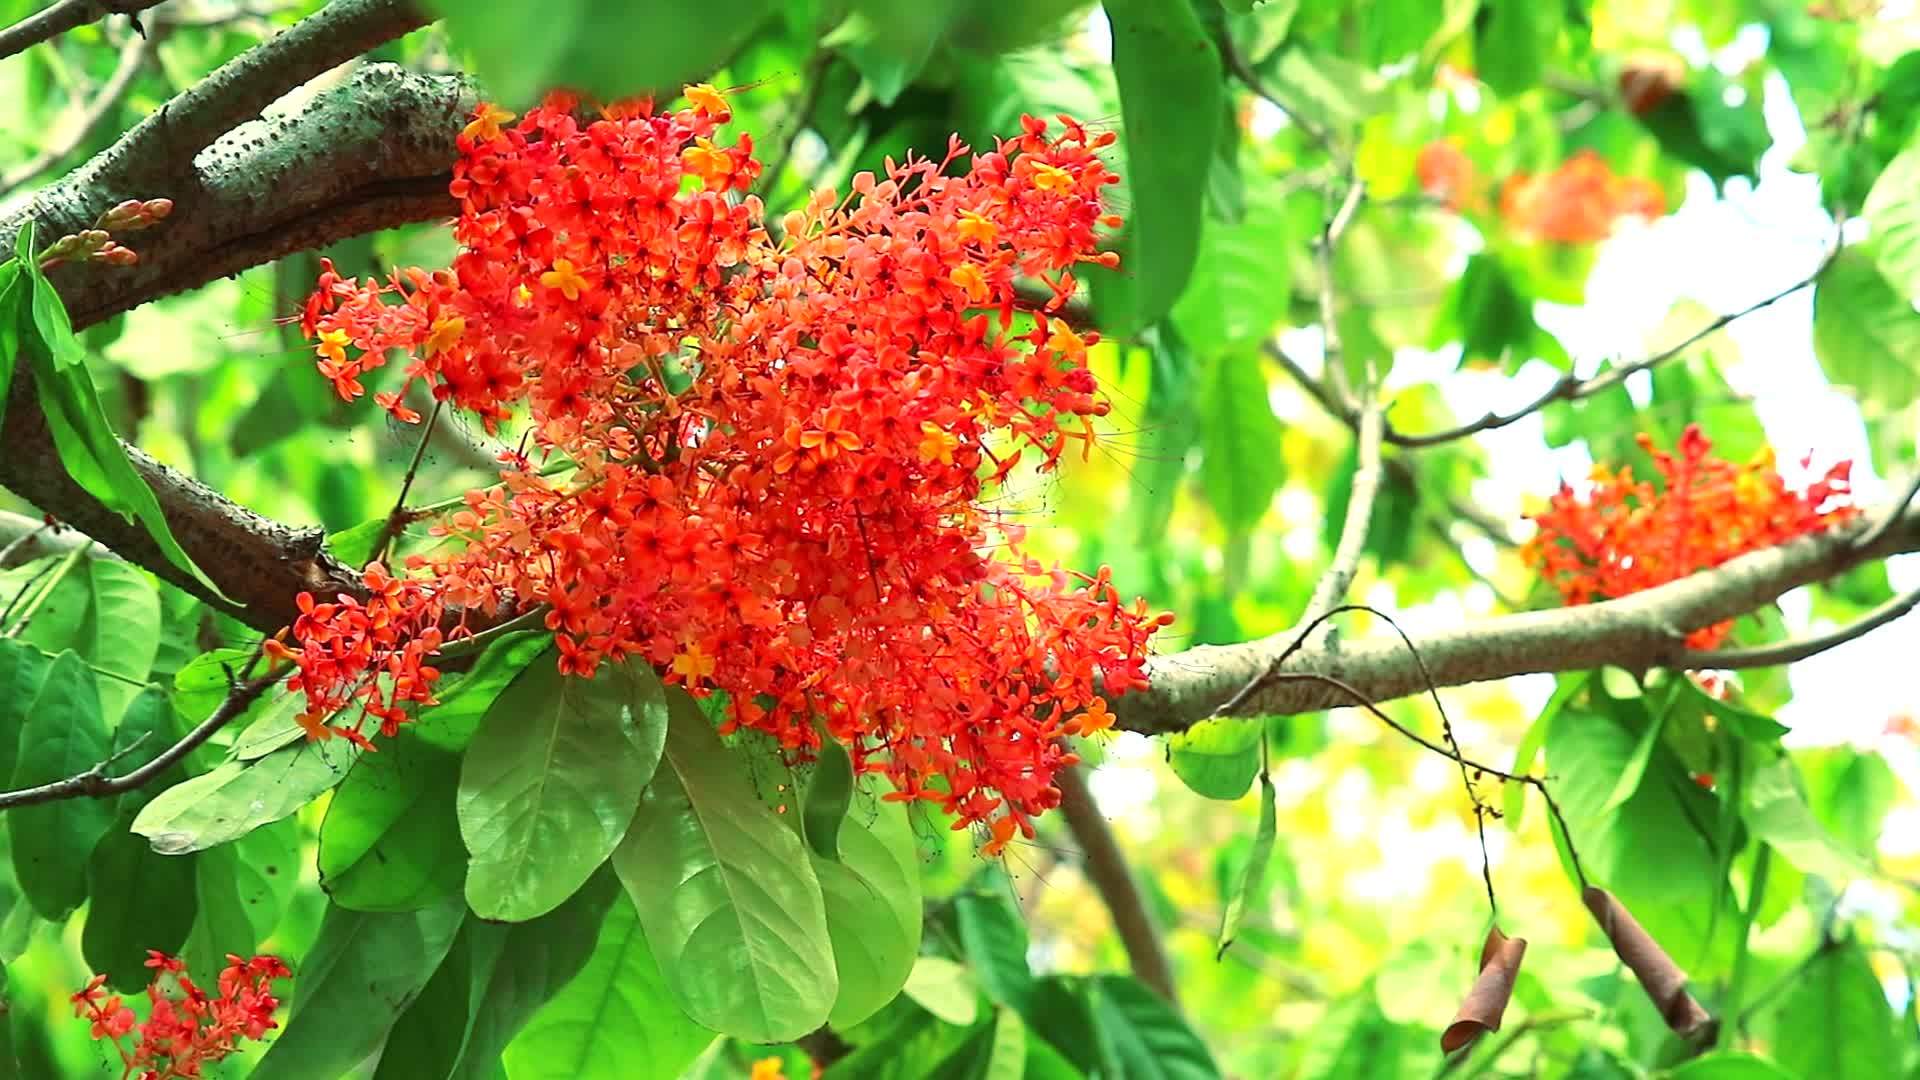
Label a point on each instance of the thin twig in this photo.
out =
(1335, 370)
(398, 518)
(58, 18)
(94, 783)
(1572, 388)
(1787, 652)
(1242, 69)
(21, 542)
(1886, 522)
(1537, 783)
(133, 57)
(814, 83)
(1107, 868)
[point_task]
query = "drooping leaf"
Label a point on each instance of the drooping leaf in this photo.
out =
(450, 725)
(22, 669)
(240, 892)
(1240, 287)
(726, 894)
(1514, 43)
(613, 1019)
(1149, 1040)
(550, 781)
(63, 736)
(1239, 441)
(121, 631)
(829, 793)
(1776, 809)
(362, 972)
(1893, 208)
(890, 43)
(237, 797)
(944, 989)
(993, 936)
(1170, 99)
(1217, 757)
(1250, 890)
(607, 48)
(872, 896)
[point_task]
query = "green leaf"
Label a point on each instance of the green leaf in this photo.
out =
(726, 894)
(12, 318)
(63, 736)
(1701, 128)
(1515, 38)
(1636, 767)
(1733, 1066)
(1776, 810)
(1007, 1056)
(121, 630)
(614, 1019)
(1835, 1020)
(501, 974)
(362, 972)
(450, 725)
(1240, 287)
(240, 891)
(1217, 757)
(993, 938)
(1250, 890)
(890, 43)
(1893, 209)
(1170, 100)
(829, 793)
(872, 897)
(391, 838)
(1239, 441)
(550, 782)
(138, 900)
(1328, 89)
(88, 449)
(1149, 1040)
(608, 48)
(22, 670)
(944, 989)
(1851, 792)
(238, 797)
(1866, 335)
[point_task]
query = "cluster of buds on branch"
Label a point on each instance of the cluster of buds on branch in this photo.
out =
(98, 245)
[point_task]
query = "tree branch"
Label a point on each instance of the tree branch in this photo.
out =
(96, 784)
(58, 18)
(1107, 868)
(1642, 631)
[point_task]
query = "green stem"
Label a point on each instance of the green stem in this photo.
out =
(26, 614)
(1756, 893)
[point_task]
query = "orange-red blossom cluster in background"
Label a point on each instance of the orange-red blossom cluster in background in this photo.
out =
(1579, 202)
(1625, 535)
(185, 1028)
(782, 445)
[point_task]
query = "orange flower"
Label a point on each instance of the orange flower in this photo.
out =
(969, 278)
(769, 1068)
(566, 278)
(485, 126)
(708, 100)
(977, 228)
(937, 443)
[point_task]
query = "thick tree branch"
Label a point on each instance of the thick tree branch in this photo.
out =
(1645, 630)
(56, 19)
(1107, 868)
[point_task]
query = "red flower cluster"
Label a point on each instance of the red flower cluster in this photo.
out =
(1626, 535)
(185, 1029)
(374, 652)
(782, 446)
(1579, 202)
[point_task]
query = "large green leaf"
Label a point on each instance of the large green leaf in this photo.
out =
(1893, 209)
(1240, 287)
(1239, 441)
(550, 781)
(240, 892)
(993, 938)
(391, 839)
(872, 896)
(614, 1021)
(362, 972)
(1148, 1039)
(450, 725)
(1835, 1020)
(1515, 40)
(138, 900)
(828, 797)
(1866, 335)
(63, 736)
(943, 988)
(1170, 100)
(1776, 810)
(889, 43)
(22, 669)
(726, 893)
(493, 981)
(609, 48)
(237, 797)
(1219, 756)
(1734, 1066)
(121, 631)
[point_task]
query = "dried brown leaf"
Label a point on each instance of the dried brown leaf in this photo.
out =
(1487, 1001)
(1660, 977)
